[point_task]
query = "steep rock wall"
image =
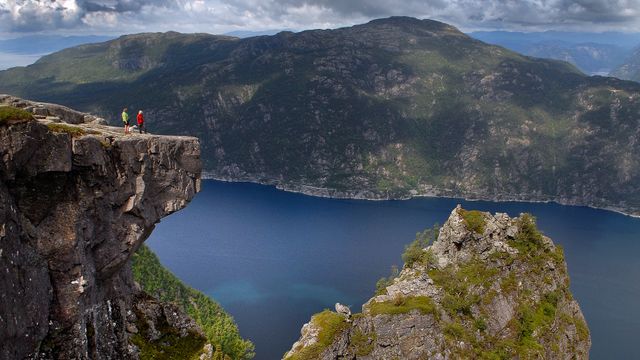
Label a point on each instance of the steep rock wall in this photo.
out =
(75, 202)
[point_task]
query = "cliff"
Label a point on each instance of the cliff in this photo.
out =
(393, 108)
(76, 201)
(489, 287)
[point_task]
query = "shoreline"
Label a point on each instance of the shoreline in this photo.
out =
(314, 191)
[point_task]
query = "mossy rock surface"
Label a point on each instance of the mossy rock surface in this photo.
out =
(12, 115)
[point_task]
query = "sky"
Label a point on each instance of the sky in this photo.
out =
(81, 17)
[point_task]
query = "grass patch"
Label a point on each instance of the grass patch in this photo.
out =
(74, 131)
(362, 342)
(473, 220)
(403, 305)
(457, 282)
(331, 324)
(10, 114)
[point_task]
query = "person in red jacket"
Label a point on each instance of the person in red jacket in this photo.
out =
(141, 122)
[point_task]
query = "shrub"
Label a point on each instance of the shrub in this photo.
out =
(473, 220)
(415, 251)
(383, 282)
(10, 114)
(528, 239)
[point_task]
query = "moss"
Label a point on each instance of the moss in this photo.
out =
(10, 114)
(74, 131)
(403, 305)
(473, 220)
(384, 282)
(331, 325)
(363, 343)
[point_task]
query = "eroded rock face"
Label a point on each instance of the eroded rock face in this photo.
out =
(73, 209)
(490, 285)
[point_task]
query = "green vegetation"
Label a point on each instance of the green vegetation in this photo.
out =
(330, 324)
(415, 252)
(457, 283)
(363, 342)
(74, 131)
(170, 345)
(384, 282)
(219, 328)
(403, 305)
(10, 114)
(473, 220)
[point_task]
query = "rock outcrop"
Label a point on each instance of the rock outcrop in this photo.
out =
(489, 286)
(76, 201)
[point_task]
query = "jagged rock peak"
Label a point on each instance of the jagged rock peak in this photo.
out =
(77, 198)
(489, 286)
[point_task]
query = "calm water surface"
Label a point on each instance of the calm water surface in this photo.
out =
(273, 259)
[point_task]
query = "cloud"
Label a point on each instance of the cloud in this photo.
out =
(127, 16)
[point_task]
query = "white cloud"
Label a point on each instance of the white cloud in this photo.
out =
(226, 15)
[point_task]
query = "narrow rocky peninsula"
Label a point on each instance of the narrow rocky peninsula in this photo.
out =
(77, 199)
(488, 287)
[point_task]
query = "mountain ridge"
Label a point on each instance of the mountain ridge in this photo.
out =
(393, 108)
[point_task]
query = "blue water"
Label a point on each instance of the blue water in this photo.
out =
(273, 259)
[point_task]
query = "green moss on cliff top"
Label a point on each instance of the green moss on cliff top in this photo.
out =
(10, 114)
(473, 220)
(403, 305)
(330, 324)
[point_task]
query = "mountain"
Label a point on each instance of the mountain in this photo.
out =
(630, 68)
(26, 50)
(44, 44)
(77, 199)
(393, 108)
(488, 287)
(592, 53)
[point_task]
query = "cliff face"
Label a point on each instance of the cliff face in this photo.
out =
(75, 202)
(490, 286)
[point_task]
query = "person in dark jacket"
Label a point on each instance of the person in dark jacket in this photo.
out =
(141, 122)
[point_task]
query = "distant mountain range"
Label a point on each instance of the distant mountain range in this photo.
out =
(26, 50)
(389, 109)
(630, 69)
(593, 53)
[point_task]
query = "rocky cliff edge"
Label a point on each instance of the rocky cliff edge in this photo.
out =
(77, 198)
(489, 287)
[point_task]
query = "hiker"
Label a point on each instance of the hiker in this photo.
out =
(125, 120)
(140, 122)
